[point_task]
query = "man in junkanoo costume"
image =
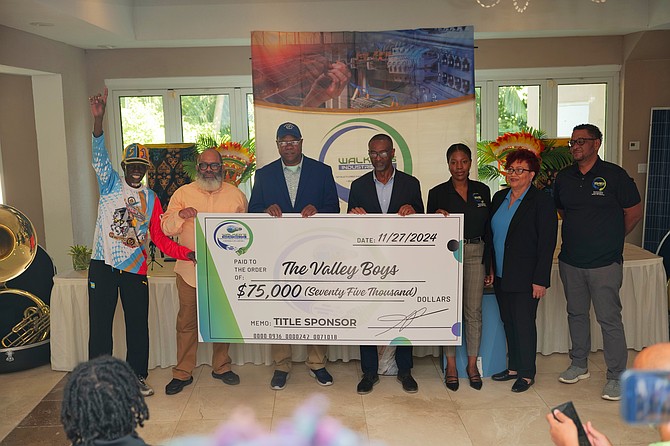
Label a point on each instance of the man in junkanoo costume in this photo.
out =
(128, 211)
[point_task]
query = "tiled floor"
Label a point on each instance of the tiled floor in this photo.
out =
(433, 416)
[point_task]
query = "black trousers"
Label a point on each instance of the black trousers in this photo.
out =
(518, 312)
(370, 359)
(104, 285)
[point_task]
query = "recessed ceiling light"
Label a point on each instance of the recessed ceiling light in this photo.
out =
(41, 24)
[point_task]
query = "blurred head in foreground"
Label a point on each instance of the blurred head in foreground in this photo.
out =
(655, 357)
(102, 402)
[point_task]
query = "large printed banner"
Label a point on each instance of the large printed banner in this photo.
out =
(342, 88)
(329, 279)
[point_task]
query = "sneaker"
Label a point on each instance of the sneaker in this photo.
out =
(177, 385)
(231, 378)
(322, 376)
(365, 386)
(279, 380)
(573, 374)
(145, 389)
(612, 390)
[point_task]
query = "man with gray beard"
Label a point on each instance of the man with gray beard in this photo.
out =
(207, 194)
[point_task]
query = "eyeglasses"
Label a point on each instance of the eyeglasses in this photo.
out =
(383, 154)
(288, 143)
(579, 141)
(518, 170)
(214, 166)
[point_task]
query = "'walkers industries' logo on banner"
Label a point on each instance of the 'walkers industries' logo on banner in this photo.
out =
(233, 235)
(350, 162)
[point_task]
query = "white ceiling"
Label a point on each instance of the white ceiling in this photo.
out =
(189, 23)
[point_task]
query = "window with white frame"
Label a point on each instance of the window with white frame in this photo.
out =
(553, 100)
(156, 111)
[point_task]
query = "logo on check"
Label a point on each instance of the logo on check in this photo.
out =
(233, 235)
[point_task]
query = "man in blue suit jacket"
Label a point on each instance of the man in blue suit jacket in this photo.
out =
(295, 183)
(385, 190)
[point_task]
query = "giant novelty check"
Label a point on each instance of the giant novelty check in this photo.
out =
(329, 279)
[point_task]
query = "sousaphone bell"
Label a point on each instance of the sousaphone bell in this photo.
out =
(26, 345)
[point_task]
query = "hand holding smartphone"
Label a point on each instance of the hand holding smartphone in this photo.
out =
(568, 409)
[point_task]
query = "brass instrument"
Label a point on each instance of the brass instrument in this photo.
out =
(18, 247)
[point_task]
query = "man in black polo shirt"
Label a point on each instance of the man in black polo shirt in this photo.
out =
(600, 205)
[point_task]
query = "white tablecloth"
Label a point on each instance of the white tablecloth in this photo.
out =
(643, 296)
(645, 316)
(69, 328)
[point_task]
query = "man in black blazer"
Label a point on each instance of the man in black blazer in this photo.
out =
(385, 190)
(295, 183)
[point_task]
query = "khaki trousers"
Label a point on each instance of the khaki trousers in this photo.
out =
(473, 291)
(187, 336)
(281, 355)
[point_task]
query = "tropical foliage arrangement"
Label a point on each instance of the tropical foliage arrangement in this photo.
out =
(554, 155)
(238, 158)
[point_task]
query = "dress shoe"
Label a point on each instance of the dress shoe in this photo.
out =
(475, 381)
(521, 385)
(503, 376)
(451, 382)
(408, 383)
(228, 377)
(177, 385)
(365, 386)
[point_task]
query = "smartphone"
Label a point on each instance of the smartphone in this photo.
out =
(568, 409)
(645, 396)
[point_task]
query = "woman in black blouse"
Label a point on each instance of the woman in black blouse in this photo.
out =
(460, 195)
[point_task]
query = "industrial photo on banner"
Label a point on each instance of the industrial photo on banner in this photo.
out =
(342, 88)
